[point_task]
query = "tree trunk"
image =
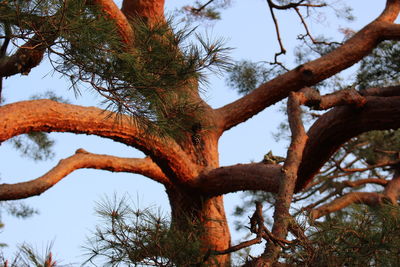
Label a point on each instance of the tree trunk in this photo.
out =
(190, 207)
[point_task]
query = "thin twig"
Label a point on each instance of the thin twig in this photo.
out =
(294, 5)
(278, 35)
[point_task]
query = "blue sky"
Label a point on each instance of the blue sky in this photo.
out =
(67, 210)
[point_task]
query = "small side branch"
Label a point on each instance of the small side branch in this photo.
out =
(308, 33)
(200, 8)
(256, 227)
(278, 35)
(80, 160)
(339, 189)
(371, 199)
(313, 99)
(381, 91)
(362, 182)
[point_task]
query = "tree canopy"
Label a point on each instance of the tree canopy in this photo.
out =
(150, 72)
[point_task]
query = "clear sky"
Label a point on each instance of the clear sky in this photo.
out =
(67, 210)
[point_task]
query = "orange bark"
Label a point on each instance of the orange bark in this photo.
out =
(191, 173)
(371, 199)
(152, 11)
(82, 159)
(351, 52)
(113, 12)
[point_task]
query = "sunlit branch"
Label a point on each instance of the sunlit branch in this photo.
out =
(362, 182)
(366, 198)
(391, 11)
(81, 160)
(308, 74)
(339, 188)
(151, 12)
(115, 14)
(335, 128)
(50, 116)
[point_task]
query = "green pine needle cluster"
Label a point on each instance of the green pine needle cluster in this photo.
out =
(359, 236)
(154, 81)
(245, 76)
(381, 67)
(35, 145)
(135, 237)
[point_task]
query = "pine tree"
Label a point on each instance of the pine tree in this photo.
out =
(149, 74)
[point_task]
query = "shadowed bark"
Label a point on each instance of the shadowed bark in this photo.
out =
(336, 127)
(188, 167)
(308, 74)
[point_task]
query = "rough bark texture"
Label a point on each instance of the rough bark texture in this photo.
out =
(335, 127)
(190, 170)
(190, 207)
(81, 160)
(352, 51)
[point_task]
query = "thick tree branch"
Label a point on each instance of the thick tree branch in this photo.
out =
(254, 176)
(352, 51)
(370, 199)
(336, 127)
(391, 11)
(80, 160)
(50, 116)
(381, 91)
(27, 56)
(391, 32)
(327, 134)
